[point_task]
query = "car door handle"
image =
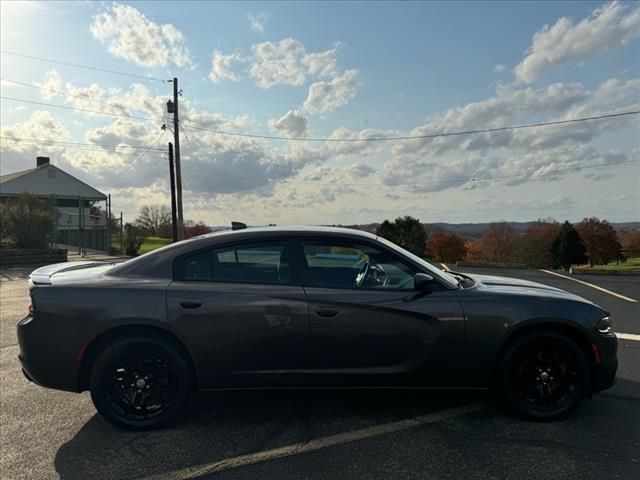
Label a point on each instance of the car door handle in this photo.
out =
(190, 303)
(326, 312)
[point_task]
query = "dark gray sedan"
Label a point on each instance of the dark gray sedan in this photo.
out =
(304, 307)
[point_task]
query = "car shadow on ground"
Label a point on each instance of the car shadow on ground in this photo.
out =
(226, 424)
(222, 425)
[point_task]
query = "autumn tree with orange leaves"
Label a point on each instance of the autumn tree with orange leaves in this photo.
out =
(446, 247)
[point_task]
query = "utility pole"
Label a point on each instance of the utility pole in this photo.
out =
(174, 220)
(176, 141)
(121, 235)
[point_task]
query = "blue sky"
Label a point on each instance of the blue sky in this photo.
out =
(389, 68)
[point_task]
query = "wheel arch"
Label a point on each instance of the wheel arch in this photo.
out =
(97, 344)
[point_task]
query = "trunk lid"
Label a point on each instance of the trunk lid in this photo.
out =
(68, 271)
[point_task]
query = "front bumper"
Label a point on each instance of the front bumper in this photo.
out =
(605, 372)
(44, 360)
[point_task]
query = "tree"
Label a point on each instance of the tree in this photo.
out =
(193, 229)
(446, 247)
(630, 241)
(567, 249)
(156, 219)
(474, 250)
(30, 221)
(134, 237)
(407, 232)
(534, 246)
(600, 240)
(497, 242)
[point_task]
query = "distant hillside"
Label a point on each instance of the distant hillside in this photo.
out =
(471, 231)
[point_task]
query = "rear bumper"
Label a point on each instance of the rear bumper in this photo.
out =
(43, 360)
(605, 372)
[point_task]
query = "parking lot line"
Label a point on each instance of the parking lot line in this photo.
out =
(628, 336)
(318, 443)
(628, 299)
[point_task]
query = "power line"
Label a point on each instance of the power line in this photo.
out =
(417, 184)
(336, 140)
(78, 65)
(142, 154)
(416, 137)
(65, 107)
(203, 174)
(66, 144)
(60, 92)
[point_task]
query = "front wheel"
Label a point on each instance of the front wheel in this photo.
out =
(140, 382)
(544, 376)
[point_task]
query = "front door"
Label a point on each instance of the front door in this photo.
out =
(242, 313)
(369, 326)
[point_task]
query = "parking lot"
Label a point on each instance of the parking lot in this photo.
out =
(329, 434)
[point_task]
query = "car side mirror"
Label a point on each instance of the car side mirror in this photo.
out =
(422, 282)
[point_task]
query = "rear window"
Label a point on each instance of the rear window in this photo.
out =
(255, 263)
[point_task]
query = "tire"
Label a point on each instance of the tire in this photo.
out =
(140, 382)
(543, 376)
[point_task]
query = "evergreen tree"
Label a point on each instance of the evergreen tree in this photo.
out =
(406, 232)
(567, 248)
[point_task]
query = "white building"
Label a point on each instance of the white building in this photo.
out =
(81, 217)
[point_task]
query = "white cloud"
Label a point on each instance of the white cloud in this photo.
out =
(608, 27)
(541, 153)
(325, 97)
(257, 22)
(221, 67)
(278, 63)
(499, 68)
(129, 34)
(287, 62)
(51, 84)
(41, 125)
(292, 123)
(322, 64)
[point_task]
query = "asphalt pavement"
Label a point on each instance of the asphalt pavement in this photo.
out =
(353, 434)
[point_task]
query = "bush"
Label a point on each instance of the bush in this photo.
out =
(193, 229)
(6, 226)
(29, 221)
(134, 237)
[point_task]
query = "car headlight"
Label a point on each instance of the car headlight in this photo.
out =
(604, 325)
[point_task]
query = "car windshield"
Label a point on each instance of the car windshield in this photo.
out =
(447, 277)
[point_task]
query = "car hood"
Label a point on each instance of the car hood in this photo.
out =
(518, 286)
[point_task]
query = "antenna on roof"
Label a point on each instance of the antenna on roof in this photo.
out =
(238, 226)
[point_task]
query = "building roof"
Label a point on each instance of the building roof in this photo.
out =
(47, 180)
(11, 176)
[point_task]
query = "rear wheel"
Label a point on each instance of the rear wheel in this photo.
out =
(544, 376)
(140, 382)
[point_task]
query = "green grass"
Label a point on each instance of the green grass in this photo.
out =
(152, 243)
(632, 265)
(149, 244)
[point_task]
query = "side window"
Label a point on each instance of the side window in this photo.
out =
(337, 265)
(198, 266)
(254, 263)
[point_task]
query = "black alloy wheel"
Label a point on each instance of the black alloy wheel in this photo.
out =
(544, 376)
(140, 383)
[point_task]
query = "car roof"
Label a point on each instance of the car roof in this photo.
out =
(300, 230)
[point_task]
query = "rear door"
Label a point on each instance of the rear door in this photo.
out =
(369, 326)
(242, 311)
